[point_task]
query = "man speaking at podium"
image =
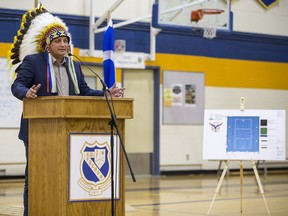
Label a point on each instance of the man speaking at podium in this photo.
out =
(45, 68)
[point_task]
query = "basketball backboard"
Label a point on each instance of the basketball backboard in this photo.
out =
(192, 14)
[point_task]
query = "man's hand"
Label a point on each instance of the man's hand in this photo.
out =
(115, 91)
(32, 92)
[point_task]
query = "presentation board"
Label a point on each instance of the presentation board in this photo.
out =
(244, 135)
(183, 97)
(10, 107)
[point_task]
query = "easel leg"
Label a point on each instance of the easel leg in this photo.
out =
(241, 187)
(260, 186)
(219, 185)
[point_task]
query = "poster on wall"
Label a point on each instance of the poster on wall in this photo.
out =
(244, 135)
(183, 97)
(10, 107)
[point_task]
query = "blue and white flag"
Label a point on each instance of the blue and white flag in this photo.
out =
(109, 55)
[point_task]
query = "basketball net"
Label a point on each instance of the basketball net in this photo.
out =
(209, 31)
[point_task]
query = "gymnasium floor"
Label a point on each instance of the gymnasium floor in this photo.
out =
(185, 195)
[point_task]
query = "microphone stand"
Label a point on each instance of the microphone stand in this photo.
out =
(113, 123)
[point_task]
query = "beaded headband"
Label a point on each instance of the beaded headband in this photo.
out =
(56, 34)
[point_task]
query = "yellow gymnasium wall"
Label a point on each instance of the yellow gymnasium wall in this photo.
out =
(228, 72)
(219, 72)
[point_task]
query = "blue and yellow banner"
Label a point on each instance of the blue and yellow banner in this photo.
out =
(268, 3)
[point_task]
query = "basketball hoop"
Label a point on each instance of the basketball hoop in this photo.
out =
(209, 30)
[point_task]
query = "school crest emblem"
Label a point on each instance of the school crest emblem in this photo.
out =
(215, 127)
(95, 168)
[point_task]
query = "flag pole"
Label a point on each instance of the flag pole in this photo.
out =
(108, 15)
(111, 123)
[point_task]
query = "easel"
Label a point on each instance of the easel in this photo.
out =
(241, 185)
(242, 105)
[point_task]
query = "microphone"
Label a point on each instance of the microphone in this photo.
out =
(104, 86)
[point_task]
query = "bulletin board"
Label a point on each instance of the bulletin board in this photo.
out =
(244, 135)
(183, 97)
(10, 107)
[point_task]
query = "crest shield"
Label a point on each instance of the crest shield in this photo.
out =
(95, 167)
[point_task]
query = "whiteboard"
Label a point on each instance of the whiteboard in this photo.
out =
(244, 135)
(10, 107)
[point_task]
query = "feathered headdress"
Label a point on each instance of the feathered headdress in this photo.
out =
(37, 30)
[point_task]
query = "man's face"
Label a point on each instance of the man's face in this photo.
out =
(58, 47)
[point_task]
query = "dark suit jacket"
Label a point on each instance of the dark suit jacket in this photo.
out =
(33, 70)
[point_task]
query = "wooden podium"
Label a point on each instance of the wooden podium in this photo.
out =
(51, 119)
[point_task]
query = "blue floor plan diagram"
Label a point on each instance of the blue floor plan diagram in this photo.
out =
(243, 134)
